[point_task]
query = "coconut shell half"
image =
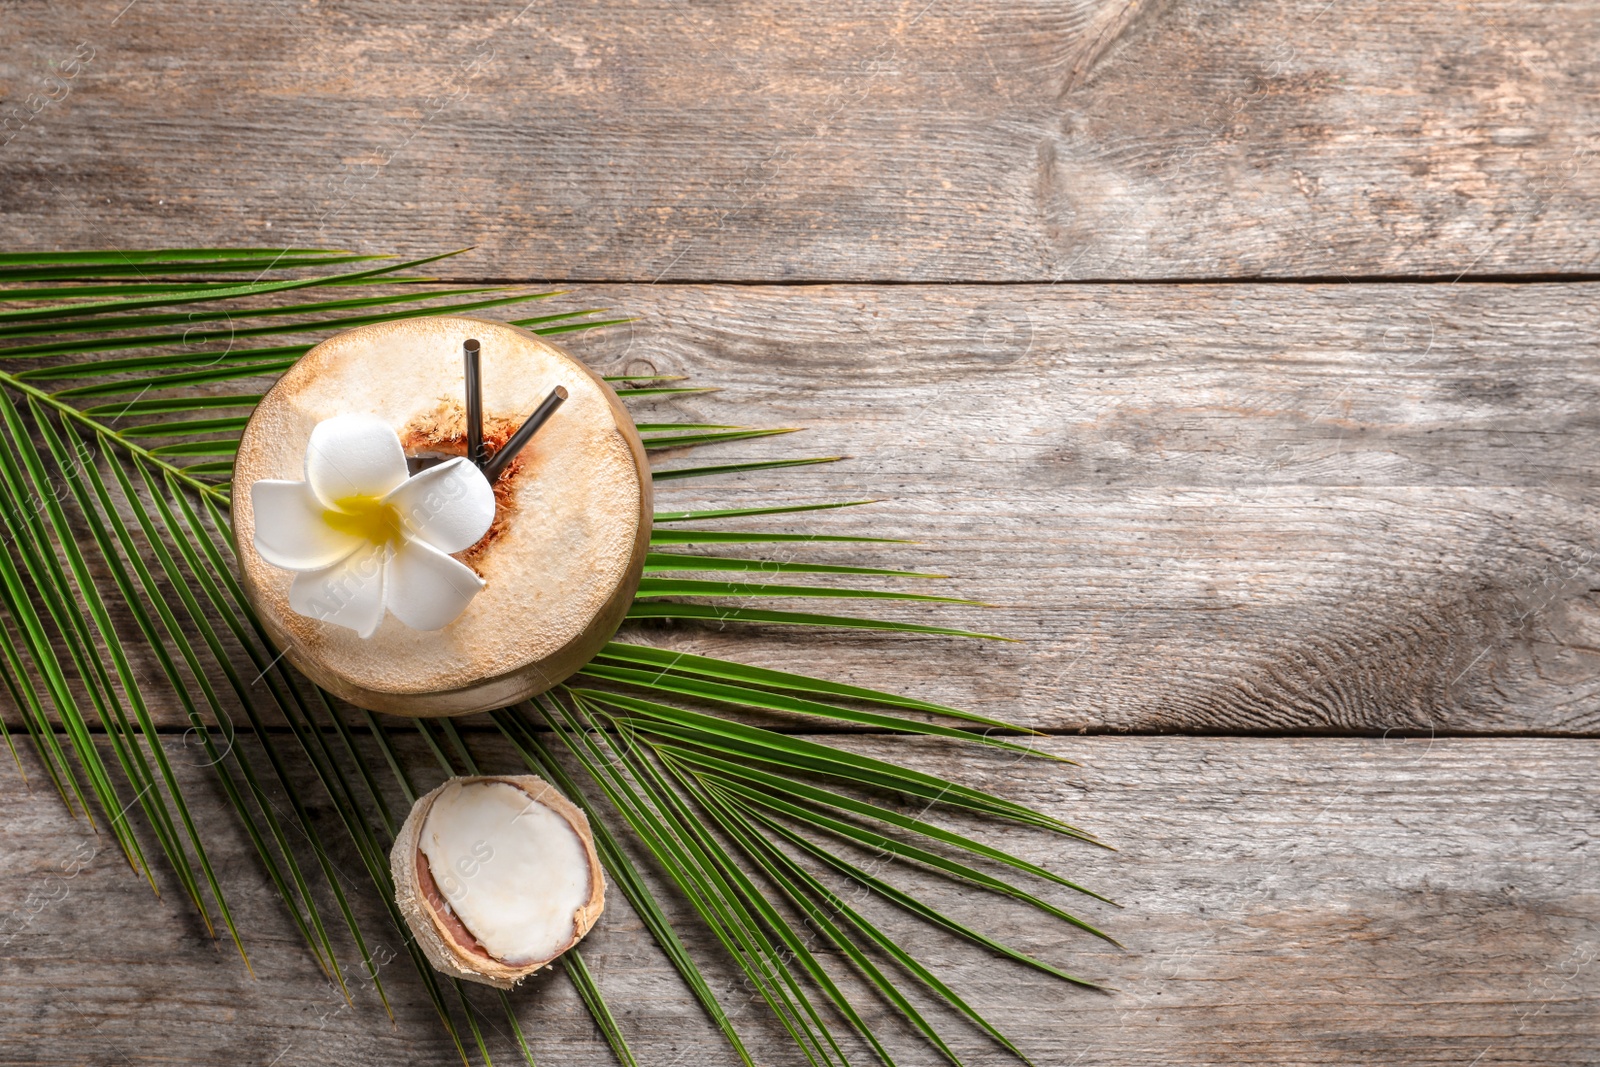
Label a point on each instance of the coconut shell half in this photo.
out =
(572, 521)
(447, 943)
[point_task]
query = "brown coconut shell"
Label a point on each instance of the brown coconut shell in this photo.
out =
(447, 943)
(571, 529)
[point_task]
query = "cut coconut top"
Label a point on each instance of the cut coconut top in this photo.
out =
(511, 869)
(559, 563)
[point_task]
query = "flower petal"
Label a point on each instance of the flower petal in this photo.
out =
(353, 455)
(449, 506)
(349, 593)
(425, 588)
(290, 531)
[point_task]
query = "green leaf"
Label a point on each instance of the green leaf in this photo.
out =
(599, 1010)
(168, 361)
(100, 307)
(638, 394)
(25, 549)
(654, 587)
(213, 257)
(813, 796)
(756, 699)
(216, 467)
(65, 271)
(837, 905)
(158, 382)
(199, 448)
(697, 536)
(674, 561)
(70, 463)
(163, 405)
(670, 840)
(694, 440)
(37, 292)
(189, 339)
(89, 594)
(916, 907)
(796, 945)
(883, 843)
(738, 468)
(794, 883)
(110, 323)
(727, 670)
(550, 331)
(622, 872)
(796, 753)
(232, 424)
(667, 609)
(737, 513)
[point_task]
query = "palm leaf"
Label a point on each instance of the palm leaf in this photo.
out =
(622, 872)
(711, 613)
(668, 660)
(117, 434)
(735, 513)
(760, 700)
(678, 561)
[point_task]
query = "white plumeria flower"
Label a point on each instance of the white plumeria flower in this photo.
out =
(365, 537)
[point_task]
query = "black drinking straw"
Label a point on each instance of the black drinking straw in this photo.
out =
(475, 451)
(524, 434)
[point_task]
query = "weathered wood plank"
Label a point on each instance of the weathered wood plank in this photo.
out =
(1288, 901)
(1335, 507)
(1202, 508)
(835, 141)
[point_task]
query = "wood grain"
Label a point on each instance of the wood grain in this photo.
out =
(998, 140)
(1279, 509)
(1237, 508)
(1309, 901)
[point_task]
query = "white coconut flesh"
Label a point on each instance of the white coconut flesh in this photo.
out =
(511, 869)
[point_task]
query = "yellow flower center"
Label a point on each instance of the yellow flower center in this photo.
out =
(368, 517)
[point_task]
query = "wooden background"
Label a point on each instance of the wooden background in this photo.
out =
(1242, 354)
